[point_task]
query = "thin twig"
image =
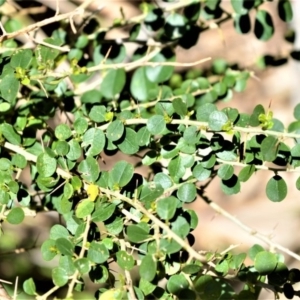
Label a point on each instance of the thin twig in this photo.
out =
(246, 228)
(192, 252)
(81, 255)
(128, 275)
(40, 24)
(46, 295)
(29, 10)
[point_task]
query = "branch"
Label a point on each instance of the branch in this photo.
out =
(81, 255)
(46, 295)
(127, 275)
(35, 26)
(205, 126)
(246, 228)
(192, 252)
(133, 203)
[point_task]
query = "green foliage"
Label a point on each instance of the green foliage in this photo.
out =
(139, 105)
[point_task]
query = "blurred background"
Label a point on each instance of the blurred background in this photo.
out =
(278, 85)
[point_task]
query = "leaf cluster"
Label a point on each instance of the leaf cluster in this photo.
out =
(169, 121)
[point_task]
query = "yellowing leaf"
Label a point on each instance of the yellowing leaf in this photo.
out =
(111, 294)
(93, 192)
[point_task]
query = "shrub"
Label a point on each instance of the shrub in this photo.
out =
(118, 219)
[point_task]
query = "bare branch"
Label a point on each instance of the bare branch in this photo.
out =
(246, 228)
(40, 24)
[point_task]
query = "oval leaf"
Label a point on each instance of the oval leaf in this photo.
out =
(276, 189)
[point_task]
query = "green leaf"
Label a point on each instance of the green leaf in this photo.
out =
(9, 88)
(143, 136)
(58, 231)
(191, 269)
(4, 164)
(160, 73)
(15, 216)
(59, 276)
(125, 260)
(204, 111)
(113, 83)
(137, 234)
(163, 180)
(29, 287)
(242, 7)
(176, 283)
(243, 120)
(129, 145)
(116, 226)
(241, 81)
(216, 120)
(201, 173)
(181, 227)
(285, 10)
(298, 184)
(192, 135)
(269, 148)
(187, 192)
(225, 172)
(276, 189)
(265, 262)
(115, 130)
(74, 150)
(45, 54)
(82, 265)
(141, 87)
(246, 173)
(176, 168)
(64, 246)
(10, 134)
(62, 132)
(103, 212)
(156, 124)
(80, 125)
(21, 58)
(146, 287)
(61, 147)
(95, 139)
(254, 250)
(120, 174)
(148, 268)
(89, 169)
(4, 107)
(231, 186)
(180, 107)
(84, 208)
(258, 110)
(150, 192)
(46, 165)
(49, 250)
(166, 207)
(99, 274)
(97, 253)
(134, 32)
(263, 27)
(297, 112)
(66, 263)
(98, 113)
(207, 287)
(175, 26)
